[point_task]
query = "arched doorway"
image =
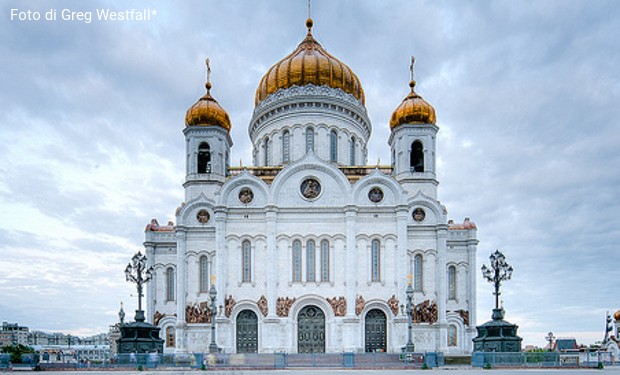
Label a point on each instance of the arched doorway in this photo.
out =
(247, 332)
(376, 331)
(311, 330)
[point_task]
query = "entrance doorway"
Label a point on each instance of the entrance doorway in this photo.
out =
(311, 330)
(247, 332)
(376, 331)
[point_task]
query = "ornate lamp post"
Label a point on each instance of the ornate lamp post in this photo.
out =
(136, 272)
(497, 335)
(550, 338)
(213, 348)
(139, 336)
(498, 272)
(410, 347)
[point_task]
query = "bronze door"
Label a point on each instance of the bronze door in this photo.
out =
(376, 331)
(311, 330)
(247, 332)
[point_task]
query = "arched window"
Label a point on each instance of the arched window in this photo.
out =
(376, 260)
(296, 261)
(309, 139)
(310, 261)
(170, 284)
(452, 335)
(204, 158)
(203, 265)
(227, 167)
(416, 158)
(417, 273)
(266, 161)
(286, 147)
(352, 151)
(452, 282)
(333, 146)
(324, 260)
(170, 337)
(246, 261)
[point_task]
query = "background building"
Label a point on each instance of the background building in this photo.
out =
(13, 334)
(311, 249)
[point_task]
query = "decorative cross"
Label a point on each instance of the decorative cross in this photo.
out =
(411, 66)
(212, 279)
(208, 70)
(308, 8)
(409, 277)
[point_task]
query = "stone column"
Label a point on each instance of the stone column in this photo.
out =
(351, 258)
(221, 255)
(471, 287)
(272, 259)
(150, 286)
(181, 277)
(441, 280)
(401, 258)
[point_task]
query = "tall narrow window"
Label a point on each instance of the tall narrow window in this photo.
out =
(266, 161)
(417, 273)
(170, 284)
(352, 151)
(333, 146)
(309, 139)
(451, 335)
(170, 337)
(416, 158)
(204, 158)
(204, 274)
(324, 260)
(452, 282)
(286, 147)
(376, 260)
(310, 261)
(246, 254)
(296, 261)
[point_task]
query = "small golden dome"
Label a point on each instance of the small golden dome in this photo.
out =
(207, 111)
(413, 110)
(309, 64)
(617, 316)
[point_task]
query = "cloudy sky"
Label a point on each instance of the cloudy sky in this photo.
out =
(527, 95)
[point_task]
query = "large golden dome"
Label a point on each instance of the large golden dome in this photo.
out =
(413, 110)
(309, 64)
(207, 112)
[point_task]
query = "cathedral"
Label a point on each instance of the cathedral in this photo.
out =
(311, 249)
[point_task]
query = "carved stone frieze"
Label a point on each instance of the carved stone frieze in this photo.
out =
(425, 312)
(283, 306)
(198, 313)
(229, 304)
(262, 305)
(339, 305)
(464, 314)
(359, 305)
(393, 304)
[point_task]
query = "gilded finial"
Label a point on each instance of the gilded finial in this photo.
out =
(409, 278)
(309, 21)
(412, 82)
(208, 84)
(212, 279)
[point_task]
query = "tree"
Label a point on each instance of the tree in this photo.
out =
(17, 351)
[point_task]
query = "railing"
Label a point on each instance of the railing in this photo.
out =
(268, 173)
(540, 359)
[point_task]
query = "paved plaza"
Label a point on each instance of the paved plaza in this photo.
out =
(318, 371)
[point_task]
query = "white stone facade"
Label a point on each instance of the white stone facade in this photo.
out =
(318, 232)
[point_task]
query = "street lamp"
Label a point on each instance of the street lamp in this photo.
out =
(213, 294)
(410, 347)
(550, 338)
(498, 272)
(136, 272)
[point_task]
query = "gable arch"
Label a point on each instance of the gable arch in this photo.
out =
(228, 194)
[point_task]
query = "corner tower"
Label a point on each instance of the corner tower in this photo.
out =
(413, 143)
(208, 143)
(309, 101)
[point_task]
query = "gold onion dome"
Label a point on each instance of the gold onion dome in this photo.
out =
(207, 111)
(413, 109)
(309, 64)
(617, 316)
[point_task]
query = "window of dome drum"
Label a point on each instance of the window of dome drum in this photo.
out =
(203, 216)
(310, 188)
(375, 195)
(246, 195)
(418, 214)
